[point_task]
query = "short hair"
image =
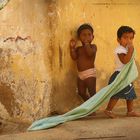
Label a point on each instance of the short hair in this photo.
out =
(84, 26)
(124, 29)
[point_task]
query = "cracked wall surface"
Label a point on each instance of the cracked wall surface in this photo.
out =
(25, 86)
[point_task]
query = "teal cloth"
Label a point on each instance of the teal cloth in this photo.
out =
(3, 3)
(128, 74)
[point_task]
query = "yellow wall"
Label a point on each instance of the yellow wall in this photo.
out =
(45, 65)
(106, 17)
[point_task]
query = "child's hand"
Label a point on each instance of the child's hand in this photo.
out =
(72, 43)
(130, 46)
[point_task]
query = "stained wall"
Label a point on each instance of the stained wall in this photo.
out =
(37, 75)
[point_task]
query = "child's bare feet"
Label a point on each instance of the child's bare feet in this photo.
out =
(133, 114)
(110, 114)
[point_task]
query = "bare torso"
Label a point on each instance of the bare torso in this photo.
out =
(84, 61)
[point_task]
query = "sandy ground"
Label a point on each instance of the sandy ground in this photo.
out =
(99, 127)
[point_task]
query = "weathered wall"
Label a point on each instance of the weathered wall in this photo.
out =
(37, 75)
(106, 17)
(25, 74)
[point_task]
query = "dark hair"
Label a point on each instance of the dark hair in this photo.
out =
(124, 29)
(84, 26)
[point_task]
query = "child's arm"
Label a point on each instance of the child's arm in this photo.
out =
(90, 49)
(125, 58)
(73, 50)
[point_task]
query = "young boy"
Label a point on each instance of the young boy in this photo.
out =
(123, 54)
(85, 58)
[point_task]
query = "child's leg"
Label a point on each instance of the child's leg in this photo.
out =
(130, 112)
(129, 105)
(111, 104)
(110, 107)
(91, 85)
(82, 89)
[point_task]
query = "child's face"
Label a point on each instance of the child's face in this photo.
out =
(126, 38)
(86, 36)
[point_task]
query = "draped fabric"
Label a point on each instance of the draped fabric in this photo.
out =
(127, 75)
(3, 3)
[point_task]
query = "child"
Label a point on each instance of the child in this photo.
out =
(85, 58)
(123, 54)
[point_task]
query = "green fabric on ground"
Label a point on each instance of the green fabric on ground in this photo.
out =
(3, 3)
(128, 74)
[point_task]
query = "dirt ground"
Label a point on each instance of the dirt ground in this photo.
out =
(98, 127)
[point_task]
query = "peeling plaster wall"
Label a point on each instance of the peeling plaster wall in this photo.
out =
(25, 74)
(25, 85)
(37, 75)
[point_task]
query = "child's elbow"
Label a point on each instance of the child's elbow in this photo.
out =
(125, 61)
